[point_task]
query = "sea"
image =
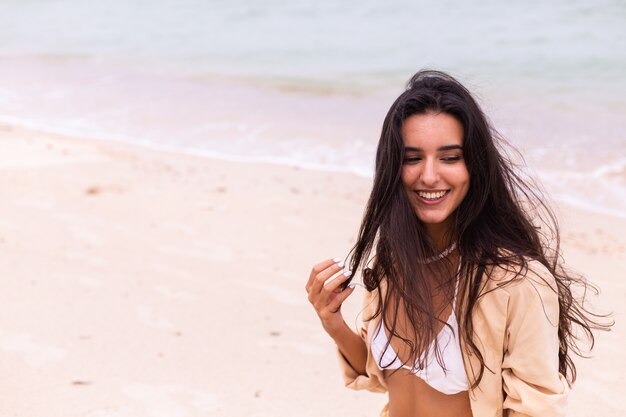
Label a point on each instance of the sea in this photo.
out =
(308, 83)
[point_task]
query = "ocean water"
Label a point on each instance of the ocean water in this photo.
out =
(305, 83)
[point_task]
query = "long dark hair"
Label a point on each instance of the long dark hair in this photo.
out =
(503, 221)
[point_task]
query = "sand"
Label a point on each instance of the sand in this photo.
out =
(138, 282)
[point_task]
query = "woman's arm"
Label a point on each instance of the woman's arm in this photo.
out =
(325, 294)
(352, 347)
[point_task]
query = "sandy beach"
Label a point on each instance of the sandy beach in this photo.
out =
(138, 282)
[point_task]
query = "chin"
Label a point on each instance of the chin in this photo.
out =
(432, 220)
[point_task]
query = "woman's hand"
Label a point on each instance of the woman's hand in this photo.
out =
(325, 294)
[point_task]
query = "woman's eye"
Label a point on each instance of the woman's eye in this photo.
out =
(412, 159)
(453, 158)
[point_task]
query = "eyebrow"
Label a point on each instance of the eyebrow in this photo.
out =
(440, 149)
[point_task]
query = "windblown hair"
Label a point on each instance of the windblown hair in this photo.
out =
(503, 221)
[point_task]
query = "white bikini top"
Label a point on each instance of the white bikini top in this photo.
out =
(450, 380)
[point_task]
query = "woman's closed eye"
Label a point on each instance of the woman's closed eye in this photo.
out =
(416, 159)
(412, 159)
(451, 158)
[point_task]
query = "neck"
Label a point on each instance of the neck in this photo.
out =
(440, 235)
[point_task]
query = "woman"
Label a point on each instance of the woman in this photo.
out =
(468, 309)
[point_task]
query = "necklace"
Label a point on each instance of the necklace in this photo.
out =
(447, 251)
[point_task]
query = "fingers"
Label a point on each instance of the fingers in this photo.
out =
(321, 272)
(328, 303)
(336, 303)
(327, 281)
(332, 285)
(324, 287)
(316, 270)
(329, 292)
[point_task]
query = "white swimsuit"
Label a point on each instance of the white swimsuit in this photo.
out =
(450, 380)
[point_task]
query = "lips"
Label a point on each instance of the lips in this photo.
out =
(431, 197)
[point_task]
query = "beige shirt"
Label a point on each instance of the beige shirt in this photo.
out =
(516, 330)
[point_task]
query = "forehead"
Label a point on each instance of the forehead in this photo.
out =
(431, 130)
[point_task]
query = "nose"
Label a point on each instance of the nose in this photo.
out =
(430, 174)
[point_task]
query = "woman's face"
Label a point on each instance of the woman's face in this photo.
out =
(434, 173)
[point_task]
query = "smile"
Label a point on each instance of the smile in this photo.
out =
(431, 195)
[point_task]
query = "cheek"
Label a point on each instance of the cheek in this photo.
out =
(461, 177)
(460, 180)
(464, 181)
(465, 191)
(407, 177)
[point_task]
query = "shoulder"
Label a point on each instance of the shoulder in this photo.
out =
(528, 286)
(518, 273)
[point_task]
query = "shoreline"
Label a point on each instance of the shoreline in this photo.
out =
(239, 120)
(614, 168)
(192, 152)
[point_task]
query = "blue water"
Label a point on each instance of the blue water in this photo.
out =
(309, 82)
(559, 43)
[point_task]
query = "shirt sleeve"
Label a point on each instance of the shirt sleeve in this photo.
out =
(353, 380)
(373, 380)
(530, 368)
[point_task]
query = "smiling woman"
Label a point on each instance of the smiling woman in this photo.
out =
(434, 172)
(468, 310)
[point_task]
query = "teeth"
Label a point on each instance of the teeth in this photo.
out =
(431, 196)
